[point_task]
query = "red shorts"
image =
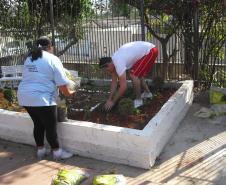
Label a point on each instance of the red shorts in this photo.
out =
(143, 66)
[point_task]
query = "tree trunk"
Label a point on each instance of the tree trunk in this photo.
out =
(165, 74)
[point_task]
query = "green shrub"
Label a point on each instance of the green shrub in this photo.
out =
(10, 95)
(125, 106)
(158, 83)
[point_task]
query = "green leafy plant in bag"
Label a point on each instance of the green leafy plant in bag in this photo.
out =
(69, 177)
(217, 89)
(62, 100)
(111, 179)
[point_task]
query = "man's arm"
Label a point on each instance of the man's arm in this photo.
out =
(114, 97)
(114, 84)
(122, 88)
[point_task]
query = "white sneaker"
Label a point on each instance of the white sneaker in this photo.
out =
(41, 153)
(61, 154)
(145, 95)
(138, 103)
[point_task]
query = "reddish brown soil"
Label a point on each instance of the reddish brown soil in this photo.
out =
(87, 99)
(5, 104)
(136, 121)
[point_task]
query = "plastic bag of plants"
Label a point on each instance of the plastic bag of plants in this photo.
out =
(74, 81)
(217, 89)
(69, 177)
(217, 95)
(111, 179)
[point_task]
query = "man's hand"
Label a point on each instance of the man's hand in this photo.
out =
(108, 105)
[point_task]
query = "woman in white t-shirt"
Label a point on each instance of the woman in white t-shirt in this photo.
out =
(138, 57)
(43, 75)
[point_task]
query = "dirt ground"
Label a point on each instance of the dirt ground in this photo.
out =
(195, 155)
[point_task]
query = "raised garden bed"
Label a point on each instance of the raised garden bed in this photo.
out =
(110, 143)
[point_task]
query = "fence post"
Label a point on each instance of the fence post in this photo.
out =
(142, 20)
(52, 23)
(196, 41)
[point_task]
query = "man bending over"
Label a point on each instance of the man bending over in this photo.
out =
(138, 57)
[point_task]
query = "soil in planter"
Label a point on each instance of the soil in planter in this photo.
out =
(12, 106)
(88, 97)
(139, 120)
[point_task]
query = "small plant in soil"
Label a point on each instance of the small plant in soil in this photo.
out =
(125, 107)
(87, 112)
(8, 100)
(10, 95)
(158, 83)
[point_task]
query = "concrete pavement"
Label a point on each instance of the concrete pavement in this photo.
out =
(196, 154)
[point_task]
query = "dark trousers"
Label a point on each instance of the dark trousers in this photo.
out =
(45, 122)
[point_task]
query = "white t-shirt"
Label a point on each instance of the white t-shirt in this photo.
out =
(40, 80)
(128, 54)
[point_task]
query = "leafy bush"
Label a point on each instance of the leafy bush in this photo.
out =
(158, 83)
(10, 95)
(125, 106)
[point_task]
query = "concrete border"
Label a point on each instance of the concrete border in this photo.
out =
(109, 143)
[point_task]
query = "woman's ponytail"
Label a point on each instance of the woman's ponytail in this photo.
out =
(36, 53)
(43, 43)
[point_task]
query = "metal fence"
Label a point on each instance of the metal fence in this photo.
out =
(83, 31)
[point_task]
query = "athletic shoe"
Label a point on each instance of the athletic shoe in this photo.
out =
(146, 95)
(138, 103)
(61, 154)
(41, 153)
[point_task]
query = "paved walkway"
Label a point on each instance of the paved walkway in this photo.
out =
(196, 154)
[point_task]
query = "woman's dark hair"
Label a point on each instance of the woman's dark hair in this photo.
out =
(42, 43)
